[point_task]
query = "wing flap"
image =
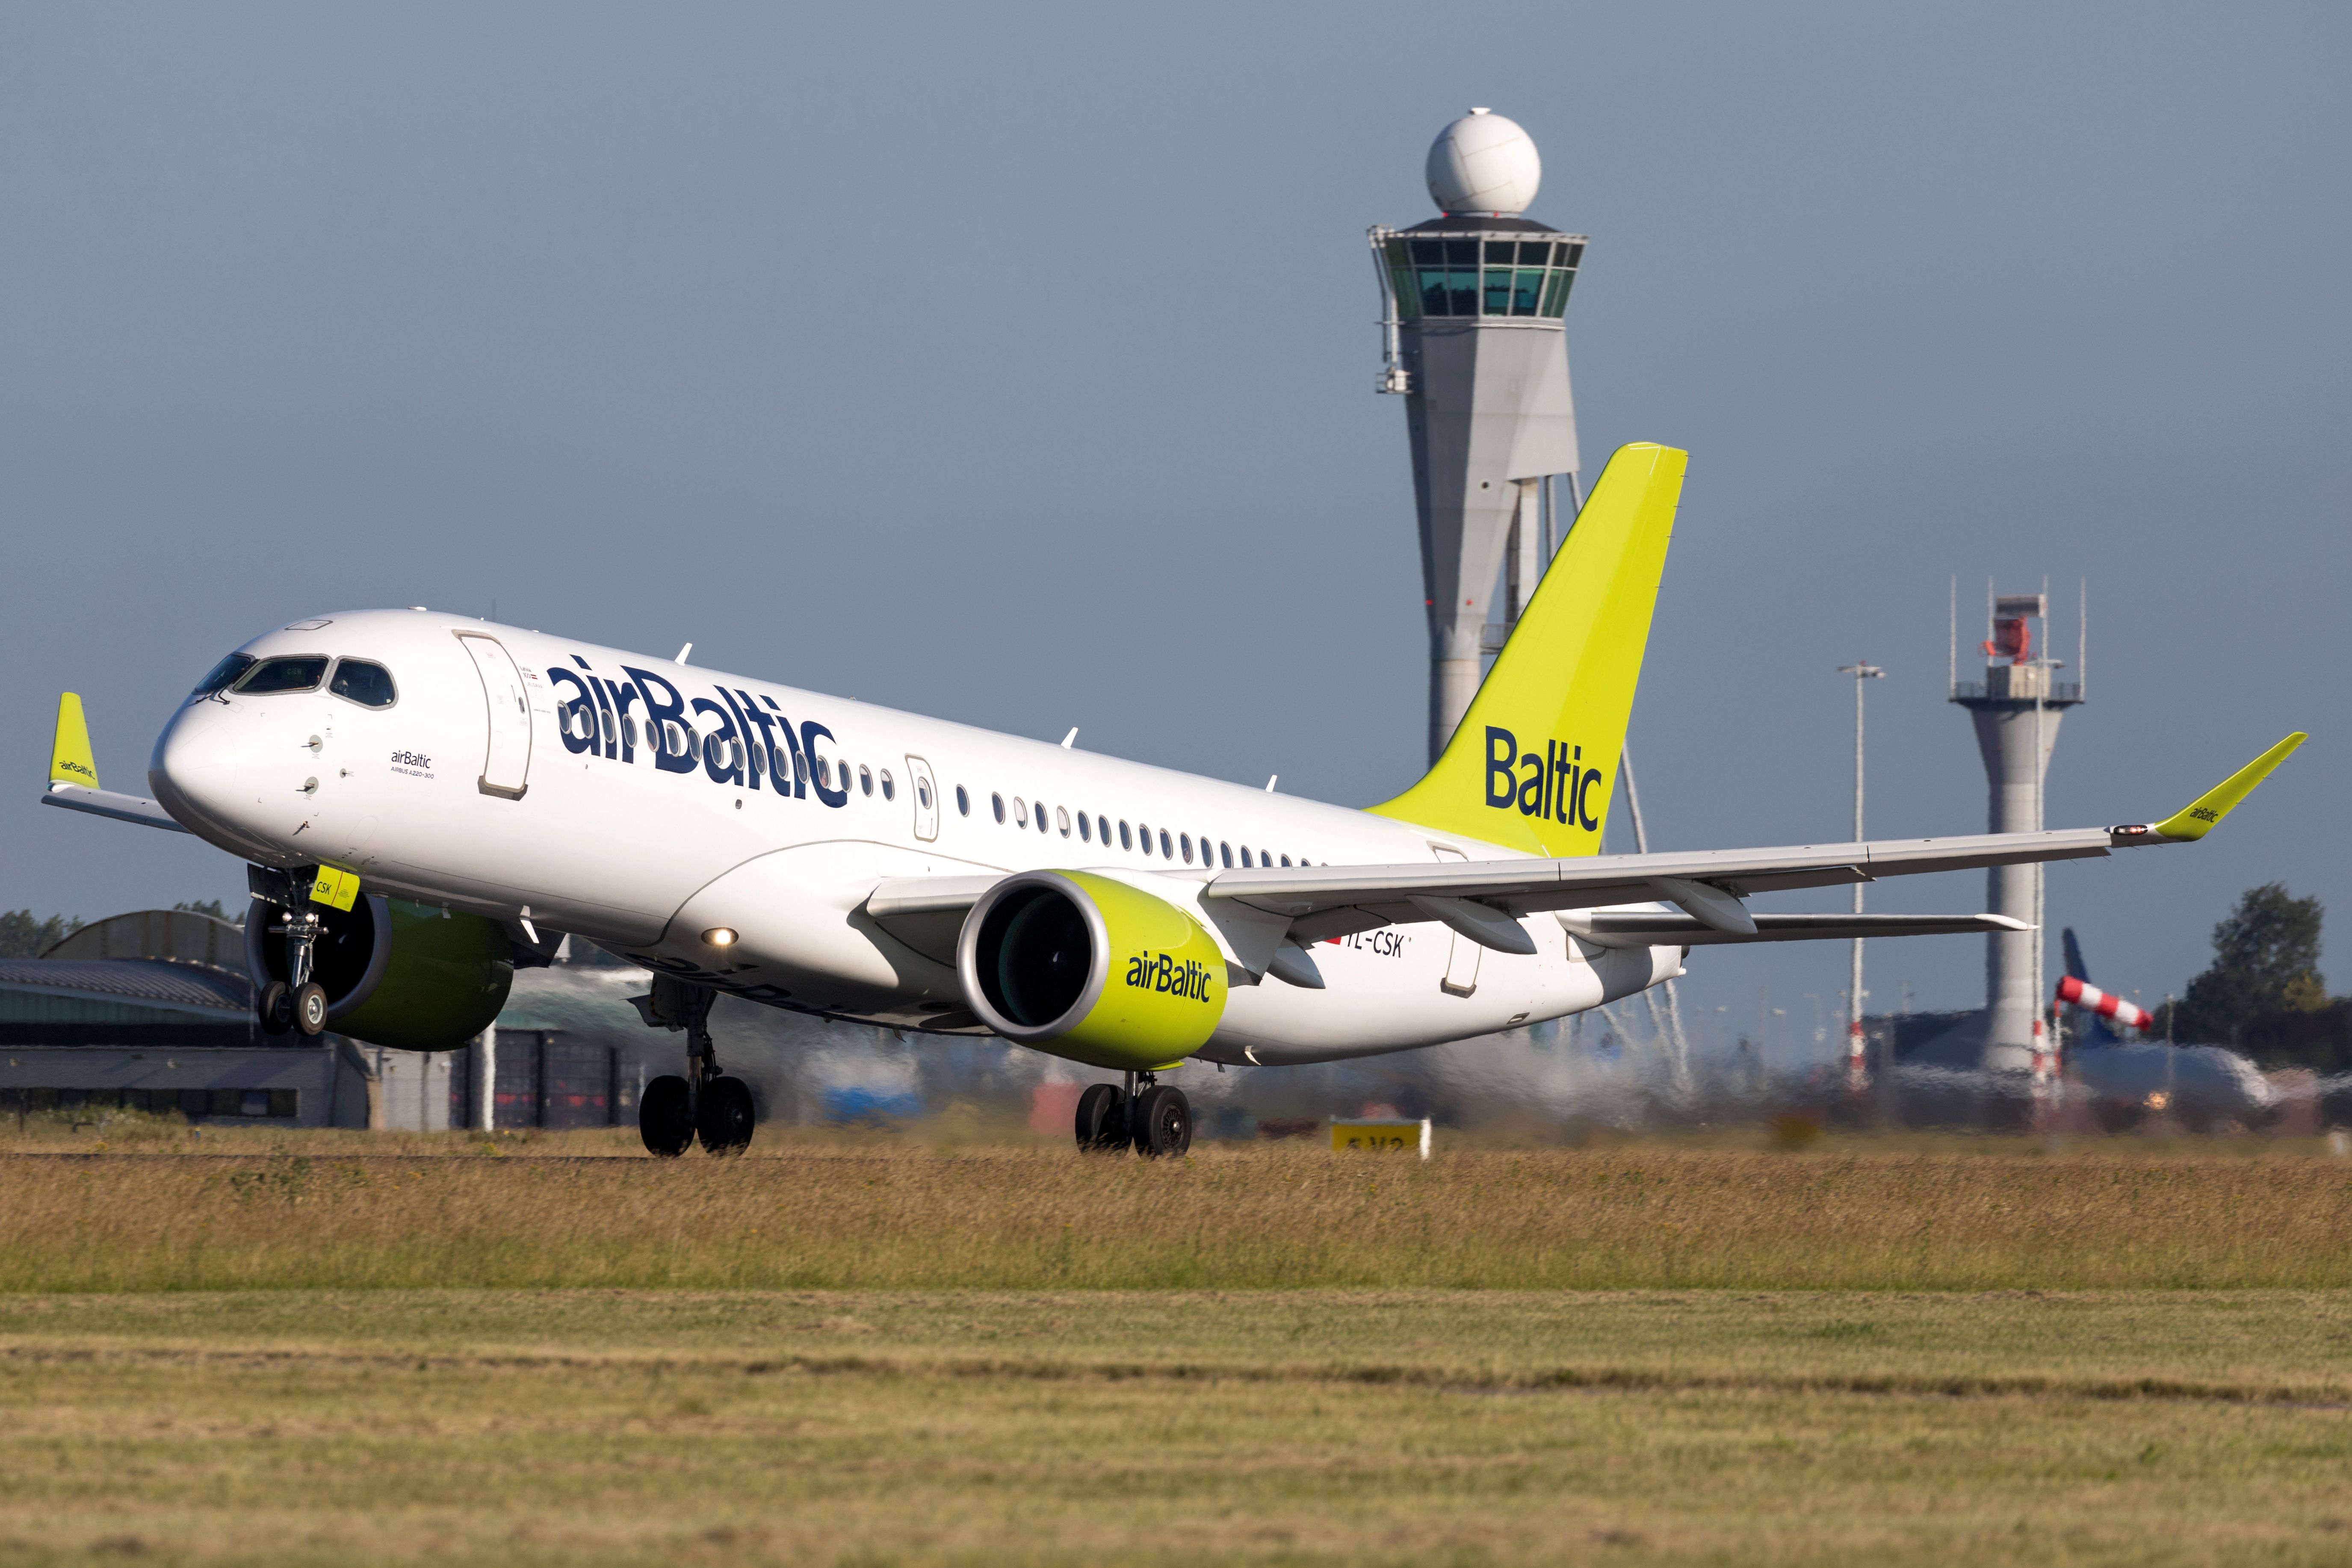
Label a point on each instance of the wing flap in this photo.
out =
(1669, 927)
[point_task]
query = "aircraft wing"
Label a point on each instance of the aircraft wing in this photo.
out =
(1484, 899)
(1708, 884)
(73, 775)
(109, 803)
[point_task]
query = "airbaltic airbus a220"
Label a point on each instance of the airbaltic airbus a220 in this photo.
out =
(428, 802)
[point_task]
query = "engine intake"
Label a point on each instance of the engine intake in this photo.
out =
(1091, 968)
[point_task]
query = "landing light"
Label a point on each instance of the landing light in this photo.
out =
(720, 936)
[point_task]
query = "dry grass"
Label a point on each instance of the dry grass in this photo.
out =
(1282, 1216)
(1366, 1427)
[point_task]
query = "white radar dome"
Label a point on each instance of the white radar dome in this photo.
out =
(1483, 163)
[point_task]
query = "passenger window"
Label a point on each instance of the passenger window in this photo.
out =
(1225, 851)
(1085, 833)
(1186, 839)
(1166, 851)
(224, 675)
(998, 801)
(284, 674)
(890, 790)
(964, 802)
(365, 683)
(1102, 828)
(1062, 819)
(1124, 841)
(1020, 812)
(1286, 859)
(1143, 835)
(864, 779)
(1041, 817)
(823, 770)
(629, 731)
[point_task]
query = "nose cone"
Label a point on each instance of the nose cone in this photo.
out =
(194, 772)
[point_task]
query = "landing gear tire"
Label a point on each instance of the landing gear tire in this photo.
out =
(663, 1120)
(310, 1009)
(276, 1007)
(1163, 1123)
(726, 1117)
(1102, 1118)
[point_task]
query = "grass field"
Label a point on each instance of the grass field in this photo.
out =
(874, 1214)
(860, 1353)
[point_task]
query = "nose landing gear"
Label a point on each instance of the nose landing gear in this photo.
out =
(1153, 1119)
(297, 1002)
(703, 1104)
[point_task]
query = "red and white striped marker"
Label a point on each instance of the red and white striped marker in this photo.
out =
(2091, 999)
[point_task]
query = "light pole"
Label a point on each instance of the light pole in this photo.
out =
(1857, 1072)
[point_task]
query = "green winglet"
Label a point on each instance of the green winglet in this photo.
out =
(2199, 816)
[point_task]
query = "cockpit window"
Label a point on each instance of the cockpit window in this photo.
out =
(301, 674)
(369, 685)
(224, 675)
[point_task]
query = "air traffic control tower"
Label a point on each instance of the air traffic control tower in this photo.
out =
(2016, 708)
(1474, 342)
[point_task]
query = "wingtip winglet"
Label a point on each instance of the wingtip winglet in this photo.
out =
(2202, 816)
(71, 759)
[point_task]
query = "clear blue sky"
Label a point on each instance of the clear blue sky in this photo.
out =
(1016, 363)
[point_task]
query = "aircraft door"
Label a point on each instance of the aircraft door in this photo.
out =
(926, 799)
(506, 764)
(1461, 976)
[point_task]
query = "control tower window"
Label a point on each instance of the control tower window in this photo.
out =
(1448, 292)
(1555, 300)
(365, 683)
(285, 675)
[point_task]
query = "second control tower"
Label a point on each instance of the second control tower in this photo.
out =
(1476, 344)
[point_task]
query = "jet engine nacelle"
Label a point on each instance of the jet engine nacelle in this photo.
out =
(411, 976)
(1091, 968)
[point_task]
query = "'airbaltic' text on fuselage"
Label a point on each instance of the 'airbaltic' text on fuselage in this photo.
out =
(729, 737)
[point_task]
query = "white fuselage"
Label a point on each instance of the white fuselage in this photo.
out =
(441, 797)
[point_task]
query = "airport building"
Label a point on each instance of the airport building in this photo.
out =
(154, 1011)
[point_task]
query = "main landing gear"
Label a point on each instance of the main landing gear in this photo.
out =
(675, 1110)
(1152, 1117)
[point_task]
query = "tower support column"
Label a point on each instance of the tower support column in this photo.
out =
(2006, 739)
